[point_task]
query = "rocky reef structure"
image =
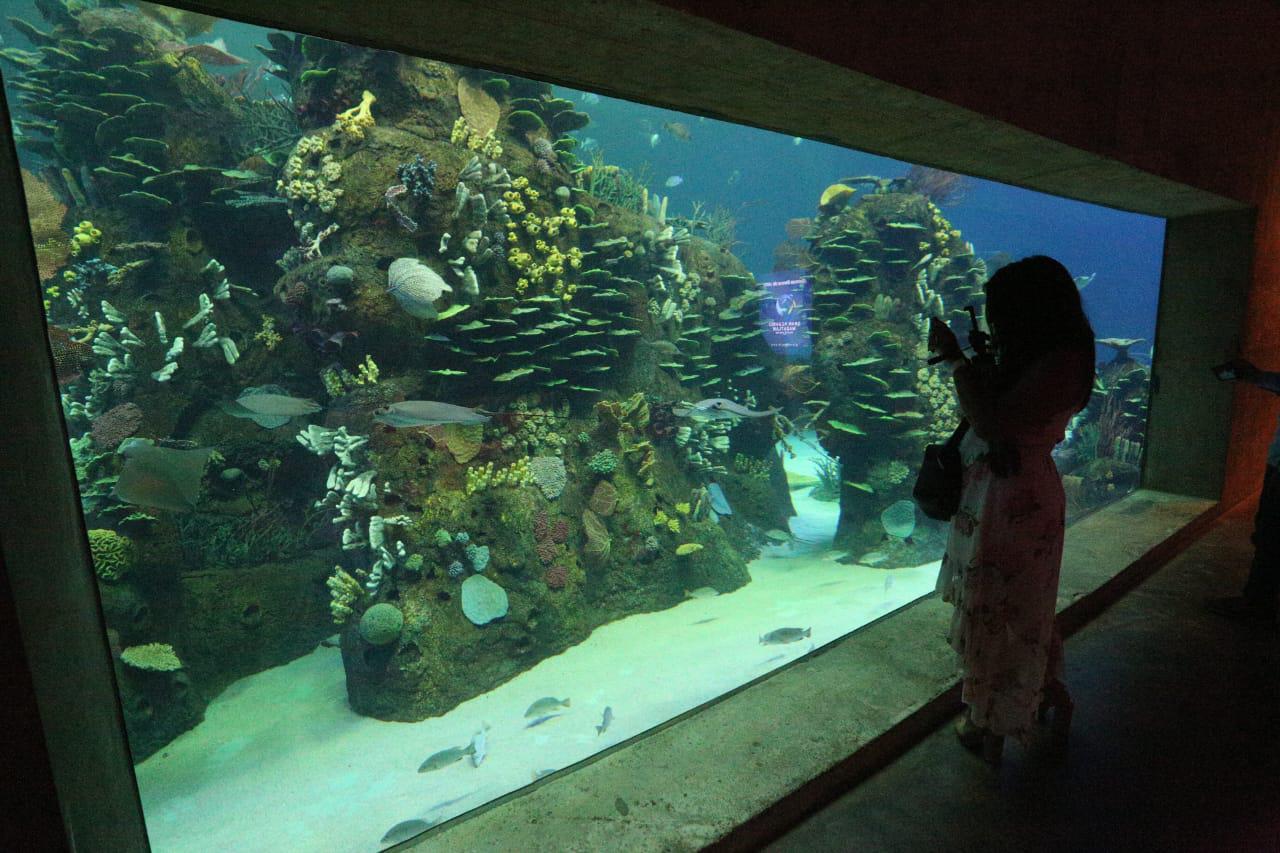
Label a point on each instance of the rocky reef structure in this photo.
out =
(883, 260)
(216, 261)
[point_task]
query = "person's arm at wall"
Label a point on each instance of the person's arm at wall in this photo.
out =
(1247, 371)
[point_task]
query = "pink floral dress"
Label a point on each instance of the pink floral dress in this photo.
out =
(1004, 553)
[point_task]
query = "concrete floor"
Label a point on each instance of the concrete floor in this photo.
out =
(1175, 744)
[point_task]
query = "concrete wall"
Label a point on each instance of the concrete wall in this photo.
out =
(1203, 296)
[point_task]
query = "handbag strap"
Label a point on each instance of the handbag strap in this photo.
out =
(958, 435)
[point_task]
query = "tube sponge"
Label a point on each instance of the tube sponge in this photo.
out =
(113, 554)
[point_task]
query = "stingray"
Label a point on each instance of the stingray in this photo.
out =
(161, 477)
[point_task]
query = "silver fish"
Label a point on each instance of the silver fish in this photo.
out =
(445, 757)
(546, 705)
(479, 748)
(275, 405)
(720, 409)
(406, 829)
(416, 413)
(604, 723)
(784, 635)
(540, 720)
(538, 774)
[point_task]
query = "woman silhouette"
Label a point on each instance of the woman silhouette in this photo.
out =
(1005, 546)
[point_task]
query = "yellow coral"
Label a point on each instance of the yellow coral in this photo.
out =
(267, 335)
(367, 373)
(351, 123)
(659, 518)
(673, 524)
(683, 507)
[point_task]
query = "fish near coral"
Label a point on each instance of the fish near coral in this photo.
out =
(416, 413)
(416, 287)
(720, 409)
(161, 477)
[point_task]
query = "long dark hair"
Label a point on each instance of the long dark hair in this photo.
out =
(1033, 309)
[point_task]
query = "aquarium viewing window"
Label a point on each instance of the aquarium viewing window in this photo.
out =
(438, 429)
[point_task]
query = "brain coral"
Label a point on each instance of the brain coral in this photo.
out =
(380, 625)
(113, 554)
(155, 657)
(603, 463)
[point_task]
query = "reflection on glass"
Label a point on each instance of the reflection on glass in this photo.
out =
(437, 429)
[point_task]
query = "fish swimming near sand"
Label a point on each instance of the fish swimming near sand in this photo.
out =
(406, 829)
(417, 413)
(784, 635)
(445, 757)
(607, 719)
(720, 409)
(546, 705)
(161, 477)
(479, 747)
(540, 720)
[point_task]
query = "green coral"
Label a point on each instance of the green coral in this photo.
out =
(154, 657)
(443, 538)
(381, 624)
(344, 591)
(113, 554)
(603, 463)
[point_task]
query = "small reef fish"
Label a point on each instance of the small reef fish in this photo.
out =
(720, 409)
(445, 757)
(783, 635)
(277, 405)
(590, 98)
(701, 592)
(212, 53)
(673, 181)
(796, 140)
(605, 721)
(538, 774)
(705, 621)
(734, 177)
(161, 477)
(540, 720)
(678, 130)
(654, 139)
(416, 413)
(406, 829)
(546, 705)
(1083, 281)
(479, 747)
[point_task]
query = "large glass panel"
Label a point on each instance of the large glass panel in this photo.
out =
(437, 428)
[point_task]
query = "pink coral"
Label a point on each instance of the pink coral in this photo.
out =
(547, 551)
(560, 532)
(115, 425)
(540, 526)
(556, 577)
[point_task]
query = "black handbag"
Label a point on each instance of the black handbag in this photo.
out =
(937, 489)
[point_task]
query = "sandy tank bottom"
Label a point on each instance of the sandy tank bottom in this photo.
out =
(280, 761)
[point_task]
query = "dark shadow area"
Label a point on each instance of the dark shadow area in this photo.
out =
(1174, 742)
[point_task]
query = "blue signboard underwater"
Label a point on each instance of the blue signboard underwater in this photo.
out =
(784, 313)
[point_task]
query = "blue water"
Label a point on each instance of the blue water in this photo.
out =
(766, 178)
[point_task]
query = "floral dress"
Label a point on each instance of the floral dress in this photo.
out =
(1004, 553)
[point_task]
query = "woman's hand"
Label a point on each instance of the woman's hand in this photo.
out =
(943, 342)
